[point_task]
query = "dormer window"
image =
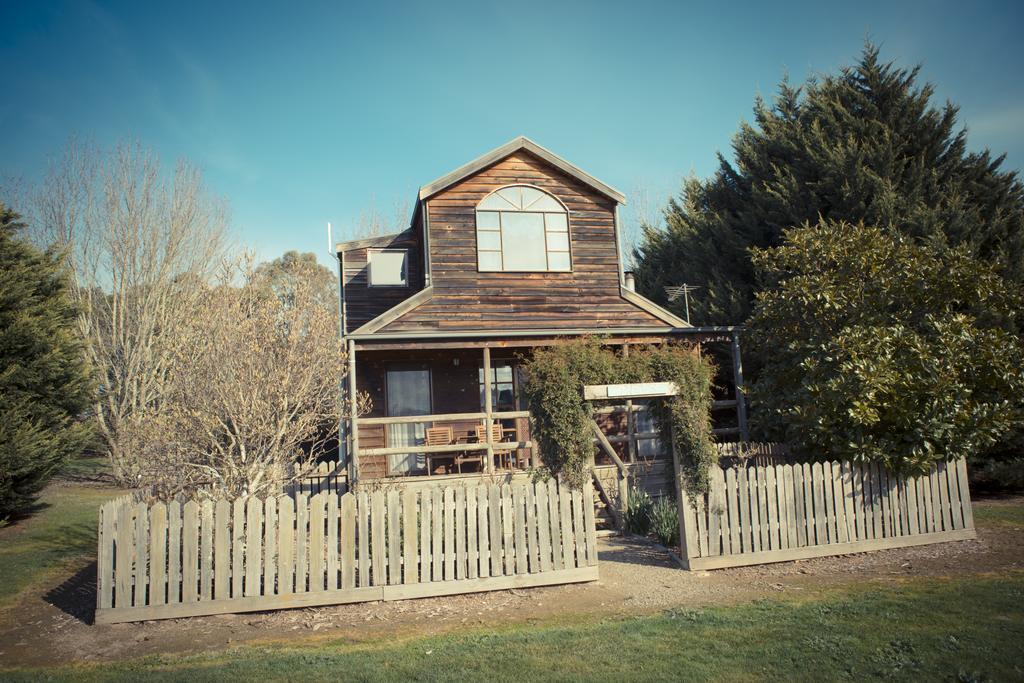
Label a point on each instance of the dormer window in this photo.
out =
(388, 267)
(522, 229)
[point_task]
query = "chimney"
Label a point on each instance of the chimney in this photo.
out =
(630, 281)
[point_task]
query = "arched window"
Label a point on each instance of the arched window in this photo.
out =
(521, 228)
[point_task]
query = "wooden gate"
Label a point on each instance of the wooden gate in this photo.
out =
(165, 561)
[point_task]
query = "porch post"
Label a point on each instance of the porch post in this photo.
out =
(631, 445)
(353, 401)
(741, 404)
(488, 409)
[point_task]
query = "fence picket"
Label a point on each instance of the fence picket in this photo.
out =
(437, 543)
(221, 550)
(494, 514)
(285, 545)
(965, 497)
(270, 534)
(557, 562)
(506, 530)
(253, 546)
(206, 551)
(544, 527)
(378, 542)
(715, 505)
(394, 525)
(410, 559)
(589, 527)
(579, 540)
(123, 548)
(426, 524)
(173, 552)
(460, 533)
(301, 571)
(743, 497)
(565, 517)
(449, 534)
(472, 540)
(316, 549)
(348, 541)
(332, 539)
(519, 524)
(363, 511)
(141, 556)
(157, 555)
(483, 528)
(189, 552)
(820, 512)
(532, 544)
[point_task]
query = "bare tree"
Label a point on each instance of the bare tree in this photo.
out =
(142, 244)
(255, 394)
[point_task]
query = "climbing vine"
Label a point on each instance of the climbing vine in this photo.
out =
(554, 378)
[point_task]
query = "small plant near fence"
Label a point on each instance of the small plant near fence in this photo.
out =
(646, 516)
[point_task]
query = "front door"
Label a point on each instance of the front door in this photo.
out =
(408, 393)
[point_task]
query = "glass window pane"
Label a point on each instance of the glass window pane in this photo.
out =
(488, 241)
(503, 373)
(387, 267)
(557, 222)
(489, 260)
(559, 260)
(558, 241)
(487, 220)
(544, 202)
(496, 202)
(523, 234)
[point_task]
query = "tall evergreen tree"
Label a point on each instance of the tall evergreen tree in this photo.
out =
(44, 383)
(865, 145)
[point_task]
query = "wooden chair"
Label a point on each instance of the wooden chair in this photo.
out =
(438, 436)
(496, 437)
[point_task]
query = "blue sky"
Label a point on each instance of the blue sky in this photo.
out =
(302, 113)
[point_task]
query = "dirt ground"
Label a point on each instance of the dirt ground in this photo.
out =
(636, 577)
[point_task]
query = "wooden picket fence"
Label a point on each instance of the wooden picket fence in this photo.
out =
(170, 560)
(753, 514)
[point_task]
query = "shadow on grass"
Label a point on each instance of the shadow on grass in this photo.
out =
(77, 596)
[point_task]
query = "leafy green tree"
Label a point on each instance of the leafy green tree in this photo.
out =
(877, 348)
(44, 381)
(865, 145)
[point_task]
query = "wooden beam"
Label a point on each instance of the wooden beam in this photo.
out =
(488, 409)
(623, 470)
(353, 414)
(406, 344)
(601, 392)
(741, 404)
(443, 417)
(450, 448)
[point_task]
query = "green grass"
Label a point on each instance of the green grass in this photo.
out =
(61, 532)
(999, 515)
(968, 629)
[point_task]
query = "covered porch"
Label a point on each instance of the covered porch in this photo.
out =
(455, 408)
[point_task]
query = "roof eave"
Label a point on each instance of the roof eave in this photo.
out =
(510, 147)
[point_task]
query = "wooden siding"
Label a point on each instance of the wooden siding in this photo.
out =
(364, 303)
(465, 299)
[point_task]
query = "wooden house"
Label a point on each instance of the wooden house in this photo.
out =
(517, 249)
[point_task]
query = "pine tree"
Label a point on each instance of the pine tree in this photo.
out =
(44, 383)
(865, 145)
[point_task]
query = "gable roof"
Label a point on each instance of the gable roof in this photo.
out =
(510, 147)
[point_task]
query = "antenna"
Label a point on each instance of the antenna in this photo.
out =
(681, 290)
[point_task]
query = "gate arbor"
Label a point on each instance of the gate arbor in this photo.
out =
(625, 393)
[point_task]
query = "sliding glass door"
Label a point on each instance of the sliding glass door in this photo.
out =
(408, 393)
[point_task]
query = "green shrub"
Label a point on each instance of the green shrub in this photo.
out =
(638, 512)
(878, 349)
(665, 521)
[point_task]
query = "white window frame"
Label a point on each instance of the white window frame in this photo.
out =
(369, 267)
(501, 238)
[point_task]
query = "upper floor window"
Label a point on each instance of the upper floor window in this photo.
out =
(521, 228)
(388, 267)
